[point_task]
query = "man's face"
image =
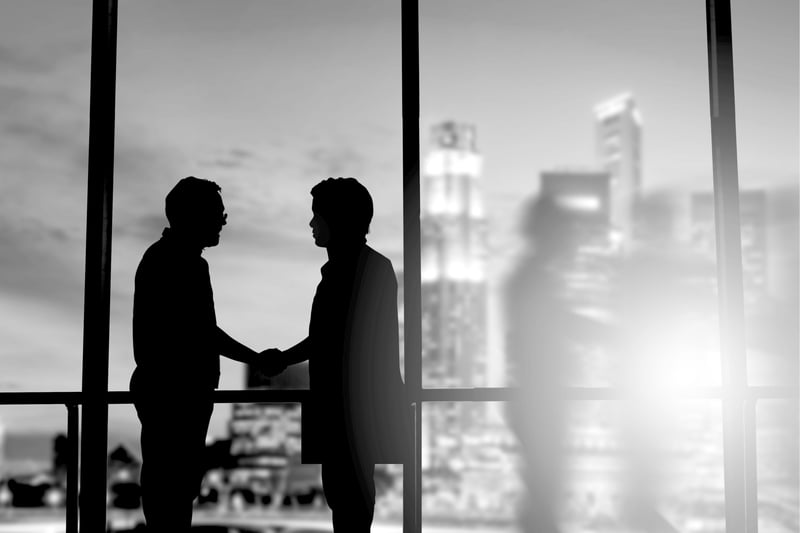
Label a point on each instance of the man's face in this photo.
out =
(320, 230)
(211, 224)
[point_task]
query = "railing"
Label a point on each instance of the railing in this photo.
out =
(72, 400)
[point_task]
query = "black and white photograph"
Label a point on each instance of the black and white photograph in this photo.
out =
(399, 266)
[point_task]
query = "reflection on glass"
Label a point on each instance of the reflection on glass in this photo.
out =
(777, 466)
(589, 123)
(44, 104)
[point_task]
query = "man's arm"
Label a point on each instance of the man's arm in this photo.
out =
(298, 353)
(275, 361)
(233, 349)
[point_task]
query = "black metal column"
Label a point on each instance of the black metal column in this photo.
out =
(94, 420)
(72, 468)
(729, 263)
(412, 470)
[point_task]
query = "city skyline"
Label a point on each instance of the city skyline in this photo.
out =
(168, 126)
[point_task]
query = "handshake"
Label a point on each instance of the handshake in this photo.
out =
(271, 362)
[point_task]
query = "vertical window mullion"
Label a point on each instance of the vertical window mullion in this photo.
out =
(412, 289)
(740, 495)
(94, 419)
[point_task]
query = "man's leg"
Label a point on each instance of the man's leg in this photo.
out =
(173, 443)
(349, 488)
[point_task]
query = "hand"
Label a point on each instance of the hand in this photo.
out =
(272, 362)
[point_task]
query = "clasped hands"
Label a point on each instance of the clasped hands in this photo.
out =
(271, 362)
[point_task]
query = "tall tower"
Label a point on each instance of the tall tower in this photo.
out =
(618, 124)
(454, 289)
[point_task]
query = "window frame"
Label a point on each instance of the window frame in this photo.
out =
(737, 397)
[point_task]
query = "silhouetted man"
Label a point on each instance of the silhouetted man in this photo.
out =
(177, 344)
(356, 417)
(540, 330)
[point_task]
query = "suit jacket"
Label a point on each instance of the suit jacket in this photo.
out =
(358, 402)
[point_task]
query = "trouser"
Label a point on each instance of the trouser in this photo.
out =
(349, 486)
(173, 460)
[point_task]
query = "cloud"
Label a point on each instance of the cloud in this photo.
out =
(17, 61)
(265, 269)
(41, 343)
(325, 161)
(234, 158)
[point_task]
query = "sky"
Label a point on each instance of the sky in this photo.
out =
(267, 97)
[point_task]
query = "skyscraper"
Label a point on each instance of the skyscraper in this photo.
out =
(618, 126)
(454, 288)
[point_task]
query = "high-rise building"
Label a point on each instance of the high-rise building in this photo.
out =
(265, 435)
(265, 438)
(586, 197)
(618, 126)
(454, 288)
(753, 221)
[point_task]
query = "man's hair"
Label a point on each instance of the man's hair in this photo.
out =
(188, 198)
(345, 205)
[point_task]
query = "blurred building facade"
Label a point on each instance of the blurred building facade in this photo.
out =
(753, 221)
(454, 289)
(585, 196)
(618, 127)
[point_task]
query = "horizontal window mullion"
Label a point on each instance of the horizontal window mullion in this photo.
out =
(608, 393)
(485, 394)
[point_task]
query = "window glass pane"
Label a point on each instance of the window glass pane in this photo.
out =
(44, 132)
(470, 470)
(777, 465)
(766, 63)
(253, 474)
(647, 463)
(33, 466)
(597, 114)
(267, 99)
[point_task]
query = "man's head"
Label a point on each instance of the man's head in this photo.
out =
(549, 227)
(195, 210)
(342, 211)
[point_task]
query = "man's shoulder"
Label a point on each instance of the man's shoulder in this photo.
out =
(156, 253)
(379, 262)
(378, 257)
(162, 252)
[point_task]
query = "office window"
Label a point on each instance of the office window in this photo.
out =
(266, 101)
(44, 99)
(519, 100)
(766, 66)
(582, 284)
(776, 449)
